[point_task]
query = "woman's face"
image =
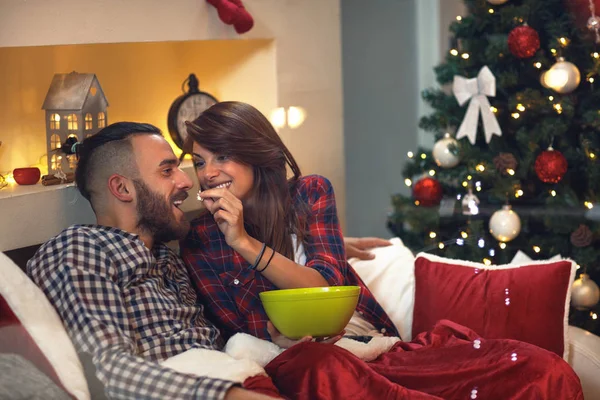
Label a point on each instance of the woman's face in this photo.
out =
(217, 170)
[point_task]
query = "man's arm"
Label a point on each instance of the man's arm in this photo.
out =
(91, 306)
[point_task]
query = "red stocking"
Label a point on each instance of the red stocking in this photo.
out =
(227, 10)
(233, 12)
(244, 21)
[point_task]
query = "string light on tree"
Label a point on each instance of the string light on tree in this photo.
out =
(505, 224)
(445, 152)
(550, 166)
(563, 77)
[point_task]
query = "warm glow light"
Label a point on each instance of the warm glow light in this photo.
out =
(594, 315)
(536, 249)
(417, 202)
(277, 117)
(487, 261)
(551, 98)
(465, 184)
(423, 156)
(553, 193)
(295, 116)
(596, 54)
(480, 167)
(592, 155)
(491, 10)
(458, 18)
(465, 56)
(494, 109)
(563, 41)
(408, 182)
(538, 65)
(410, 154)
(431, 172)
(578, 266)
(553, 51)
(432, 235)
(478, 188)
(588, 205)
(10, 179)
(520, 107)
(591, 79)
(464, 235)
(441, 246)
(558, 108)
(519, 193)
(510, 171)
(454, 52)
(502, 245)
(515, 115)
(469, 177)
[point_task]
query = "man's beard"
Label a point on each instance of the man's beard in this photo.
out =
(155, 215)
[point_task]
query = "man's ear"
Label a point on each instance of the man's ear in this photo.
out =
(121, 188)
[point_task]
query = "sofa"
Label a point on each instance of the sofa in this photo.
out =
(29, 326)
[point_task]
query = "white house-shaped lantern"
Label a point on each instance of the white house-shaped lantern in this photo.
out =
(75, 107)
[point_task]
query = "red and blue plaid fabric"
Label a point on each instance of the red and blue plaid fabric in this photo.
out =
(128, 307)
(229, 288)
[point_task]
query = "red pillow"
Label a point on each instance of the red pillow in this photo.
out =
(527, 302)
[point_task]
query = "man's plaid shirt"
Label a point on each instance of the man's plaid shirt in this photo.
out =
(229, 288)
(128, 307)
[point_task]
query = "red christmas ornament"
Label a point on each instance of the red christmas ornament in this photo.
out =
(428, 192)
(550, 166)
(523, 41)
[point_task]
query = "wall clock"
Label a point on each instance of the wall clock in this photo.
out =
(187, 107)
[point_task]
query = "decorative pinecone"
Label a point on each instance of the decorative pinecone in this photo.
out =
(504, 162)
(582, 236)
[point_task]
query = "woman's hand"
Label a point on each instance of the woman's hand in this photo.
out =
(228, 212)
(285, 342)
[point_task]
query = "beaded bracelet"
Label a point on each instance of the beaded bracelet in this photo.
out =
(268, 262)
(259, 257)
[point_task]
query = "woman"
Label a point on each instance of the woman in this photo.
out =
(263, 231)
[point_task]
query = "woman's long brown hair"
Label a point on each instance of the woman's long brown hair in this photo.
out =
(244, 134)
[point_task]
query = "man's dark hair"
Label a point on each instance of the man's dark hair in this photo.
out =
(107, 152)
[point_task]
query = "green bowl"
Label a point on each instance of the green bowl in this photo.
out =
(316, 311)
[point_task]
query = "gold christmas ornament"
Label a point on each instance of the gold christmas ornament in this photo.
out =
(584, 292)
(505, 224)
(563, 77)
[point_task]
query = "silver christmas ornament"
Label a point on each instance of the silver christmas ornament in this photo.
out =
(444, 152)
(584, 292)
(505, 224)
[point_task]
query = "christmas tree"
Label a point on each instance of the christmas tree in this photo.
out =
(520, 170)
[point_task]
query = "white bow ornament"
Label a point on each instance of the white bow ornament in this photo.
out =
(477, 89)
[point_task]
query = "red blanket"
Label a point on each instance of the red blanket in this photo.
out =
(449, 362)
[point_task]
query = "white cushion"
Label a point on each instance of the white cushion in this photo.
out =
(38, 317)
(391, 278)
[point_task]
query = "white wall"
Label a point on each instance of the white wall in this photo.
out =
(308, 55)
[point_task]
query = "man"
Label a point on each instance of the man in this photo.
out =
(124, 297)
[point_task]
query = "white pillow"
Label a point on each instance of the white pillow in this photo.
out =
(391, 278)
(38, 317)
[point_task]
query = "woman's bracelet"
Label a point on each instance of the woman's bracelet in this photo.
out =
(268, 262)
(259, 257)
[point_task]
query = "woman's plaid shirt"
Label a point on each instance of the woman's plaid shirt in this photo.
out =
(229, 288)
(128, 307)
